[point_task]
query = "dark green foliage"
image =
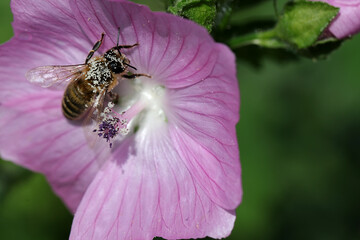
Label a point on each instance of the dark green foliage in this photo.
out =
(202, 12)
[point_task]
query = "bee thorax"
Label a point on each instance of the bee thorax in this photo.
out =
(99, 74)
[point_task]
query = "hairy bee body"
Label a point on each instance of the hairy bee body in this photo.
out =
(77, 98)
(88, 83)
(96, 80)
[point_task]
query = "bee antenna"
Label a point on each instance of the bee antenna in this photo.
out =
(130, 66)
(117, 43)
(117, 47)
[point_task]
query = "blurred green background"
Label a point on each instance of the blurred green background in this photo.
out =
(299, 138)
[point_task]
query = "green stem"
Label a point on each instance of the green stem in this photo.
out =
(265, 39)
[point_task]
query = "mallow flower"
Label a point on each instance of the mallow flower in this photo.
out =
(175, 171)
(347, 22)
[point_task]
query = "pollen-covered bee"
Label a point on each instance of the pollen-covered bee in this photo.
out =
(88, 83)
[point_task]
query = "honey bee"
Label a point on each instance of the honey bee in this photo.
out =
(88, 83)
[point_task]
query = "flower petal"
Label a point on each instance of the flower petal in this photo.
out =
(347, 22)
(203, 130)
(54, 22)
(147, 191)
(174, 51)
(46, 33)
(35, 135)
(19, 56)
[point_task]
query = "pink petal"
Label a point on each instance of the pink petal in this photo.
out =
(35, 135)
(19, 56)
(53, 22)
(46, 33)
(203, 131)
(172, 50)
(347, 22)
(147, 191)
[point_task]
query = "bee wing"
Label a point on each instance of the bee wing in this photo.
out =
(56, 77)
(90, 122)
(92, 119)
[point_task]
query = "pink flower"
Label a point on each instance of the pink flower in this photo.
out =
(347, 22)
(176, 174)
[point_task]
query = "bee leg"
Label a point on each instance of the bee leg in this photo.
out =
(95, 47)
(124, 46)
(135, 75)
(129, 46)
(114, 97)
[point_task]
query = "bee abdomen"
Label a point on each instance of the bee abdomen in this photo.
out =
(77, 99)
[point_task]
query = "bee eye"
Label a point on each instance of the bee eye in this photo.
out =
(113, 66)
(116, 67)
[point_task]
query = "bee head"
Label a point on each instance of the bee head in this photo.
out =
(117, 61)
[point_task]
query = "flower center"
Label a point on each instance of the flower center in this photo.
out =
(144, 102)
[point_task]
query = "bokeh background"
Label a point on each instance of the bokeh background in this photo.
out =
(299, 138)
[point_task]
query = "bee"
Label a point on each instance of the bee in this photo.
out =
(88, 83)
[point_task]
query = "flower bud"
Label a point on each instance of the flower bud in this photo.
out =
(347, 22)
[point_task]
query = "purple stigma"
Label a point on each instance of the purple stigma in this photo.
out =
(108, 129)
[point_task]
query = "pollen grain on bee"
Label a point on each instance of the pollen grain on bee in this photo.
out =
(98, 72)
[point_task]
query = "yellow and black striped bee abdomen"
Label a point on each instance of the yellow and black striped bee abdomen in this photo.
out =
(77, 99)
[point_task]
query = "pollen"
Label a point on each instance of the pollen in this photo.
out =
(98, 73)
(108, 128)
(111, 125)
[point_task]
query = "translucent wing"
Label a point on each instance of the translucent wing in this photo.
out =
(91, 122)
(56, 77)
(94, 111)
(92, 119)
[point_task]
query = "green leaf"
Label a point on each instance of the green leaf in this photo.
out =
(154, 5)
(302, 22)
(202, 12)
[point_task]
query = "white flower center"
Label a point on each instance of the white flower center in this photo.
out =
(141, 107)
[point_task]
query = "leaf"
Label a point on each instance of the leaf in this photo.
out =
(202, 12)
(302, 22)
